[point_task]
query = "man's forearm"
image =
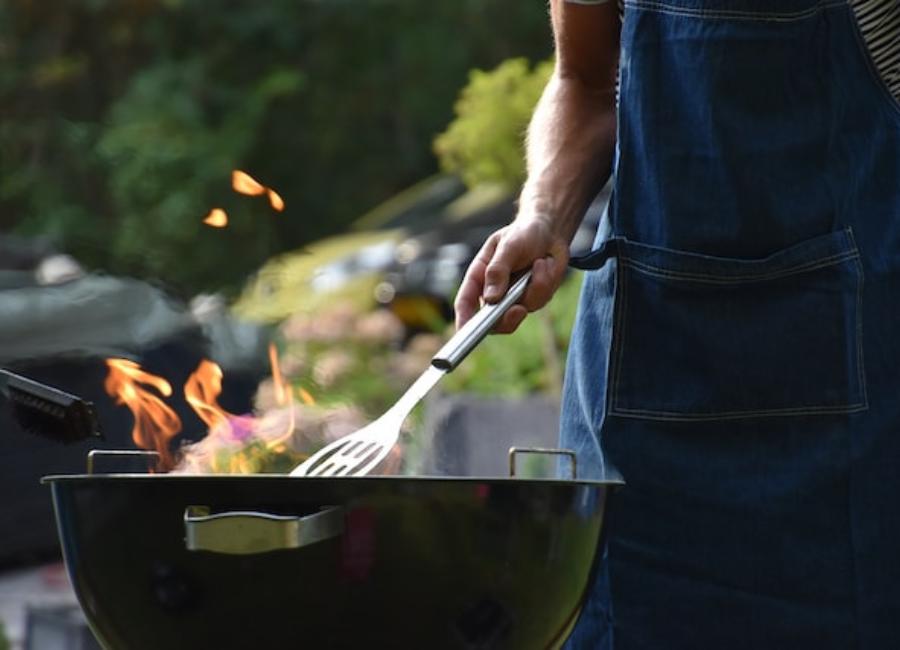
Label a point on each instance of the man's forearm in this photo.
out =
(570, 148)
(571, 141)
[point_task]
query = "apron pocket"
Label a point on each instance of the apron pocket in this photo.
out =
(703, 338)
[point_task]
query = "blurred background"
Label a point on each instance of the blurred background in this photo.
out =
(376, 144)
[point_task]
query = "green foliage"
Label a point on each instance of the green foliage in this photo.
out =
(4, 642)
(121, 120)
(484, 144)
(254, 457)
(162, 191)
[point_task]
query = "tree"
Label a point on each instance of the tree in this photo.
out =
(122, 119)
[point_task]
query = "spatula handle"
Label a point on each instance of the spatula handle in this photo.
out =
(471, 334)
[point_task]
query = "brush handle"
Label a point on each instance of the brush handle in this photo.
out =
(477, 327)
(14, 382)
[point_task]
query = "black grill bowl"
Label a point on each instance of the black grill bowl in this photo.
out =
(424, 563)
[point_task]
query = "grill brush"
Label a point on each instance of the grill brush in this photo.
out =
(47, 411)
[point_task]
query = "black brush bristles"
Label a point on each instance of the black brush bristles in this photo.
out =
(47, 411)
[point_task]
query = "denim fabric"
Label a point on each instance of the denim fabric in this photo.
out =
(736, 355)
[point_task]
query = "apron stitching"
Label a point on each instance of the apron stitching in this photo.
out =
(725, 415)
(860, 283)
(618, 338)
(793, 16)
(710, 278)
(860, 363)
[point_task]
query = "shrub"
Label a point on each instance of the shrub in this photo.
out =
(484, 144)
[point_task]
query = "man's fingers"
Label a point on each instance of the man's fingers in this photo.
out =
(511, 320)
(547, 274)
(513, 253)
(506, 251)
(496, 279)
(540, 288)
(468, 298)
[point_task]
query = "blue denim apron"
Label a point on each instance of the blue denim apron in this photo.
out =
(728, 357)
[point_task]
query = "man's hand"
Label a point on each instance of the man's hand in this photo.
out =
(525, 243)
(569, 153)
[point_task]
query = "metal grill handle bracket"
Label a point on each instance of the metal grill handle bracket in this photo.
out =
(515, 451)
(251, 533)
(117, 453)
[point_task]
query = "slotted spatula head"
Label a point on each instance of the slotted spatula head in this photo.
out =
(355, 454)
(358, 453)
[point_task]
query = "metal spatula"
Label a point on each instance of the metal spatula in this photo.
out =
(358, 453)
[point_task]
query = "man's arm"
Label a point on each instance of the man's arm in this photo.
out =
(569, 152)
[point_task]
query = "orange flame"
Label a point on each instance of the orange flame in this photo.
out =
(217, 218)
(276, 201)
(201, 390)
(155, 424)
(244, 183)
(305, 396)
(283, 397)
(281, 392)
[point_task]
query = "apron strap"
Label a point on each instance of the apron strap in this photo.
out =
(596, 258)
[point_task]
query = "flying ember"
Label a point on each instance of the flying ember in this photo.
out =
(276, 201)
(217, 218)
(243, 183)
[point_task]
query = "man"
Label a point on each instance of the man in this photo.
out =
(726, 357)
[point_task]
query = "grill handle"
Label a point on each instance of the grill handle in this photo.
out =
(253, 533)
(568, 453)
